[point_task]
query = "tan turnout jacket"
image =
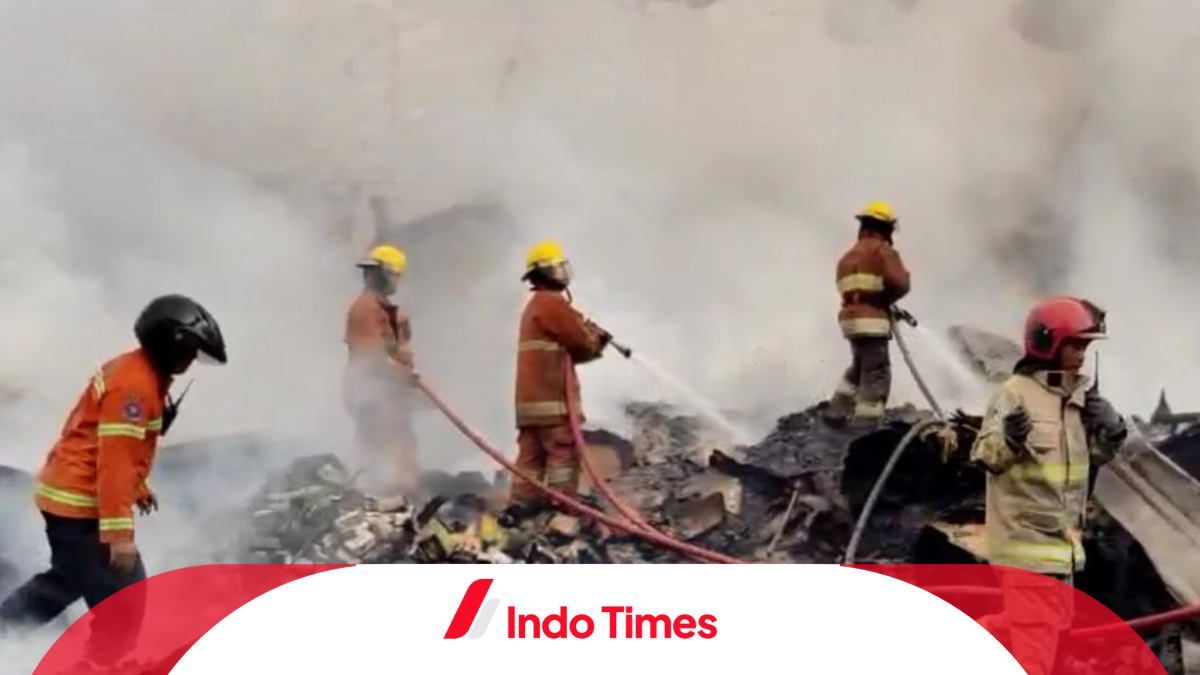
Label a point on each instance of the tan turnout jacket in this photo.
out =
(1036, 499)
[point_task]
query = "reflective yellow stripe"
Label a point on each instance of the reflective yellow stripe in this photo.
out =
(560, 475)
(1051, 473)
(98, 383)
(1021, 553)
(538, 346)
(128, 430)
(864, 409)
(542, 409)
(64, 496)
(113, 524)
(154, 424)
(870, 283)
(866, 327)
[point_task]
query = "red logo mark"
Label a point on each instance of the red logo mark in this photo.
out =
(468, 609)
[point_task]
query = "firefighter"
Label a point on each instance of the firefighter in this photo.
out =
(380, 371)
(551, 332)
(97, 472)
(870, 279)
(1038, 438)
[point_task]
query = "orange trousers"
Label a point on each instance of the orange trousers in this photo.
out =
(388, 442)
(549, 455)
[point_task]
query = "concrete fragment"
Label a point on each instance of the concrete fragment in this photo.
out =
(697, 516)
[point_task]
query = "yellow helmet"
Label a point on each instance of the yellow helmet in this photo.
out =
(544, 254)
(388, 257)
(878, 211)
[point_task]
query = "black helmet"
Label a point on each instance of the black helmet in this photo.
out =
(173, 328)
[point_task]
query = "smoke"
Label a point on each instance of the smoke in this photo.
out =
(700, 165)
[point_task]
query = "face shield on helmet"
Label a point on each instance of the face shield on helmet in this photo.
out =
(561, 272)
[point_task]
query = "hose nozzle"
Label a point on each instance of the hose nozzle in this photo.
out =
(903, 315)
(621, 349)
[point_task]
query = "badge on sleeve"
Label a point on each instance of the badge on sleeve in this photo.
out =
(133, 410)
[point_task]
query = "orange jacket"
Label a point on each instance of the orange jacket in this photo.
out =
(99, 466)
(870, 278)
(375, 327)
(550, 330)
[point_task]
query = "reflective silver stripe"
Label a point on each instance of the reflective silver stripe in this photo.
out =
(1051, 473)
(64, 496)
(538, 346)
(542, 409)
(870, 283)
(866, 327)
(127, 430)
(115, 524)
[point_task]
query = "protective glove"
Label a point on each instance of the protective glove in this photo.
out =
(123, 556)
(1017, 426)
(1101, 419)
(147, 504)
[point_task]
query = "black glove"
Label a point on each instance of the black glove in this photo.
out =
(1101, 419)
(1017, 426)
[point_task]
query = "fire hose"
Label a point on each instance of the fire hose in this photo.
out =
(566, 501)
(1161, 619)
(1148, 622)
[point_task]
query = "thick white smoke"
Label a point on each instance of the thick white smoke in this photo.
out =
(701, 166)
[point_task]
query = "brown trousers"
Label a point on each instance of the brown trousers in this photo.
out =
(549, 455)
(866, 384)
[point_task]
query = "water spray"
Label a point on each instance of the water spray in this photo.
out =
(694, 399)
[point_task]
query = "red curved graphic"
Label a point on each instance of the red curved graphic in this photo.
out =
(1049, 627)
(468, 609)
(146, 628)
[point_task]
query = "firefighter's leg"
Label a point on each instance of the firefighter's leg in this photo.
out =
(875, 379)
(841, 404)
(115, 629)
(531, 459)
(1039, 610)
(408, 465)
(562, 459)
(48, 594)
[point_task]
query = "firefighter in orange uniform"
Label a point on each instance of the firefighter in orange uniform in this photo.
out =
(551, 332)
(870, 279)
(379, 371)
(97, 473)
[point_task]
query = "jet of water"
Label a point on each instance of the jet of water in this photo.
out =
(692, 397)
(970, 388)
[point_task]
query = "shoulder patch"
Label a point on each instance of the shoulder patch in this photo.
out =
(133, 410)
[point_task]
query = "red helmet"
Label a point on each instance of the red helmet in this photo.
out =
(1056, 319)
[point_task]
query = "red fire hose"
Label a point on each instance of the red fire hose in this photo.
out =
(577, 434)
(566, 501)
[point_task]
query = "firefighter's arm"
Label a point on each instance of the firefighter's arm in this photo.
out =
(992, 448)
(581, 339)
(123, 447)
(895, 275)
